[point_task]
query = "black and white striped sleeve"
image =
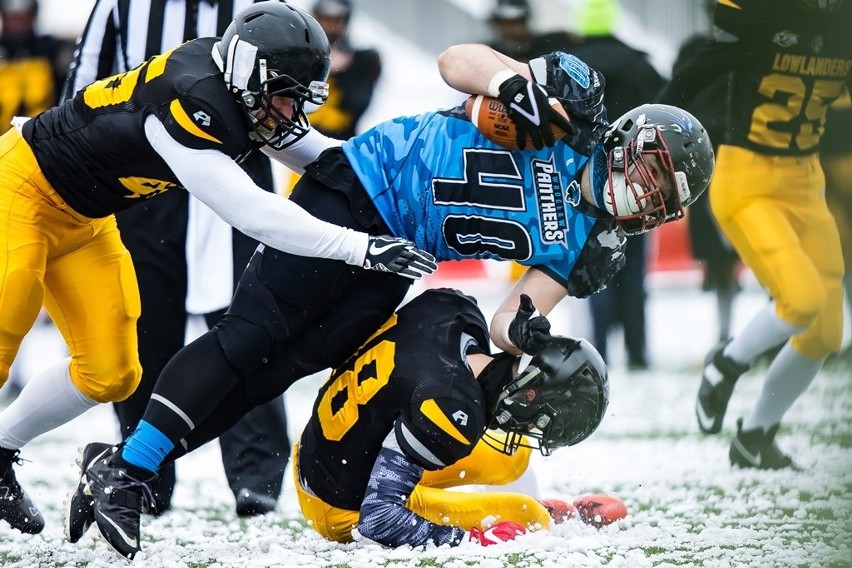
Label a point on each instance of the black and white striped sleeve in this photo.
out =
(96, 52)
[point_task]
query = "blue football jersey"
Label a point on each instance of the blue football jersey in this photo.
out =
(437, 181)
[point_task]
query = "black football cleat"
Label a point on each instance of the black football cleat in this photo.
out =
(16, 507)
(251, 503)
(80, 508)
(717, 384)
(120, 494)
(757, 449)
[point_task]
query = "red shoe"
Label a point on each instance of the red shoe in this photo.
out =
(559, 510)
(600, 510)
(498, 532)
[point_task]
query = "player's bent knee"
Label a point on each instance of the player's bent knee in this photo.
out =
(802, 310)
(514, 466)
(109, 385)
(246, 346)
(819, 344)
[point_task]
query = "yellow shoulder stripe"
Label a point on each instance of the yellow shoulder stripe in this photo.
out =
(433, 412)
(183, 119)
(730, 4)
(157, 66)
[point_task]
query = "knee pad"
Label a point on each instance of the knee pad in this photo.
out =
(108, 383)
(512, 467)
(802, 309)
(245, 344)
(825, 335)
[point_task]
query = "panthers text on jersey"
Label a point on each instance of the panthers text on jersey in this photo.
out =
(789, 63)
(437, 181)
(93, 148)
(410, 376)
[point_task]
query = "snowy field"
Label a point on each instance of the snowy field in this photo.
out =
(687, 506)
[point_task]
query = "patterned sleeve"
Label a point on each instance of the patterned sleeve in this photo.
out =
(384, 516)
(600, 260)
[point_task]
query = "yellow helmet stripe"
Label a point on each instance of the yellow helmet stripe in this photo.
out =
(183, 119)
(729, 4)
(433, 412)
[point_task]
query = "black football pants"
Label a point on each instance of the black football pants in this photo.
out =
(291, 316)
(256, 450)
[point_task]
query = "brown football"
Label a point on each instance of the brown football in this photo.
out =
(489, 116)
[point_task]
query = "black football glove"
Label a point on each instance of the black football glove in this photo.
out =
(392, 254)
(528, 107)
(530, 334)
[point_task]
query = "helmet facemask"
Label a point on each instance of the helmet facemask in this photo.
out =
(669, 156)
(557, 400)
(270, 50)
(521, 420)
(639, 206)
(270, 125)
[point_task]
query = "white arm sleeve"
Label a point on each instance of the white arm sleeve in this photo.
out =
(222, 185)
(304, 151)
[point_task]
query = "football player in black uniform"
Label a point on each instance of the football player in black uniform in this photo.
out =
(180, 120)
(429, 177)
(789, 60)
(406, 416)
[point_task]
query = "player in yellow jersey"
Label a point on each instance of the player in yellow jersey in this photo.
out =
(789, 59)
(182, 119)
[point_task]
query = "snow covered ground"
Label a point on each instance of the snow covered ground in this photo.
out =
(687, 506)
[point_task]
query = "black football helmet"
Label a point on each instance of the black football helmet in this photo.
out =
(274, 49)
(558, 400)
(685, 154)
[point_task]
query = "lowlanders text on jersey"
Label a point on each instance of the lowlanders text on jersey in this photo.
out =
(551, 203)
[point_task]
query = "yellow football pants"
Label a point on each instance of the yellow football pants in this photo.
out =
(838, 192)
(77, 267)
(431, 500)
(773, 210)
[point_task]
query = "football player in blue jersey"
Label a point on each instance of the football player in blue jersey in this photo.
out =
(563, 208)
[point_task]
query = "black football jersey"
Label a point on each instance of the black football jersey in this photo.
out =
(93, 148)
(410, 378)
(787, 64)
(795, 62)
